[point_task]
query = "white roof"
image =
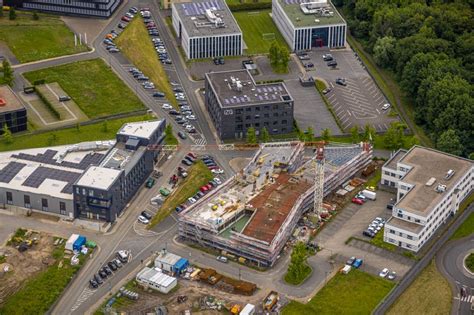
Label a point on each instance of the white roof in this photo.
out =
(142, 129)
(247, 309)
(99, 177)
(155, 276)
(167, 258)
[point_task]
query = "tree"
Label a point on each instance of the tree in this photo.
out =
(394, 138)
(12, 14)
(273, 53)
(383, 51)
(35, 16)
(105, 126)
(251, 135)
(449, 142)
(309, 134)
(7, 135)
(284, 56)
(264, 135)
(297, 266)
(471, 156)
(369, 133)
(355, 134)
(7, 72)
(326, 134)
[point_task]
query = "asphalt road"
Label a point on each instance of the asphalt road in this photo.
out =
(450, 262)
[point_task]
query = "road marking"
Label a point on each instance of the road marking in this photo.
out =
(85, 295)
(468, 298)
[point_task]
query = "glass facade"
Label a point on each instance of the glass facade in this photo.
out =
(97, 8)
(216, 46)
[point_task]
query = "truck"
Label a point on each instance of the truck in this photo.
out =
(369, 194)
(270, 301)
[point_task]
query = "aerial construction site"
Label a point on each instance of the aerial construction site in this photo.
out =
(253, 213)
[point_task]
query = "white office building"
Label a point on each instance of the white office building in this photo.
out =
(153, 278)
(206, 29)
(309, 23)
(430, 187)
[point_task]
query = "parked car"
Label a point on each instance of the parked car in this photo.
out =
(386, 106)
(98, 279)
(326, 91)
(182, 135)
(112, 266)
(332, 63)
(186, 162)
(357, 263)
(309, 65)
(147, 215)
(102, 274)
(166, 106)
(93, 284)
(191, 154)
(392, 275)
(118, 262)
(192, 200)
(357, 201)
(64, 98)
(217, 180)
(150, 182)
(143, 220)
(327, 57)
(383, 273)
(217, 171)
(350, 261)
(222, 259)
(107, 270)
(303, 57)
(174, 112)
(165, 192)
(368, 233)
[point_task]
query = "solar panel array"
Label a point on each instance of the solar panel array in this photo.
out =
(199, 8)
(41, 173)
(10, 171)
(340, 156)
(48, 158)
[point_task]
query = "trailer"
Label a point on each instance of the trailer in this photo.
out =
(270, 301)
(369, 194)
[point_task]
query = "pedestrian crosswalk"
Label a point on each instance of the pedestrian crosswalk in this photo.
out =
(467, 298)
(200, 141)
(86, 294)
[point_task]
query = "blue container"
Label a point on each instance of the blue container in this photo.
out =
(81, 240)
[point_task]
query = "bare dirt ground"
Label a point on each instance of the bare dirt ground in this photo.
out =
(194, 291)
(22, 266)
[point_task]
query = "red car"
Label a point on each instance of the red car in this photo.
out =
(125, 19)
(204, 189)
(209, 186)
(357, 201)
(192, 155)
(213, 167)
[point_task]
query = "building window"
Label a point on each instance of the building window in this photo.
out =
(257, 108)
(44, 204)
(275, 114)
(266, 115)
(275, 122)
(9, 198)
(248, 117)
(62, 207)
(409, 237)
(248, 109)
(284, 121)
(27, 202)
(392, 231)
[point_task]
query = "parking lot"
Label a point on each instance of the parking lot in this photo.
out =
(360, 101)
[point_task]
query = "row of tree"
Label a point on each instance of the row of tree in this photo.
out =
(428, 45)
(7, 72)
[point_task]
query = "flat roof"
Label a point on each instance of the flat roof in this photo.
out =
(140, 129)
(292, 9)
(168, 258)
(393, 161)
(273, 205)
(155, 276)
(99, 177)
(230, 93)
(13, 102)
(196, 23)
(405, 225)
(427, 163)
(48, 171)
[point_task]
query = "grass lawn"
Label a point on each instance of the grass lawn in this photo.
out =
(170, 139)
(375, 179)
(31, 40)
(466, 228)
(92, 85)
(355, 293)
(198, 175)
(254, 26)
(39, 293)
(378, 241)
(135, 43)
(428, 294)
(469, 262)
(70, 135)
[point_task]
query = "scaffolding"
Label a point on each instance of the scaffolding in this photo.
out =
(275, 201)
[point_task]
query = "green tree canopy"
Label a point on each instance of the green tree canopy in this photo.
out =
(449, 142)
(251, 135)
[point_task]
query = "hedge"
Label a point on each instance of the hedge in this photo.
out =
(249, 6)
(48, 104)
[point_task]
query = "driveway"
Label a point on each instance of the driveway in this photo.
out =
(360, 102)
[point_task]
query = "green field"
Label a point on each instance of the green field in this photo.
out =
(378, 241)
(466, 228)
(31, 40)
(71, 135)
(198, 175)
(355, 293)
(92, 85)
(38, 293)
(135, 43)
(254, 25)
(428, 294)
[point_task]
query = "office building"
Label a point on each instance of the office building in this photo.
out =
(253, 213)
(89, 180)
(430, 187)
(206, 29)
(89, 8)
(236, 102)
(166, 4)
(154, 279)
(309, 23)
(12, 112)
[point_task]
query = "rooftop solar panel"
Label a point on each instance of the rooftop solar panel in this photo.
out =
(48, 158)
(41, 173)
(10, 171)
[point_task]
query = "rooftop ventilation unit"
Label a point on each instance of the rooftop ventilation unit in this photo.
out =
(430, 182)
(440, 188)
(449, 174)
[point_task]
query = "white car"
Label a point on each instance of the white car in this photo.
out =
(143, 220)
(166, 106)
(385, 106)
(191, 200)
(217, 180)
(384, 272)
(222, 259)
(217, 171)
(191, 117)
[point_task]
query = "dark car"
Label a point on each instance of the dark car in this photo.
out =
(179, 209)
(216, 61)
(221, 60)
(102, 274)
(93, 283)
(332, 63)
(326, 91)
(112, 266)
(146, 215)
(158, 94)
(341, 81)
(327, 57)
(98, 279)
(190, 159)
(182, 135)
(107, 270)
(350, 261)
(309, 65)
(173, 112)
(200, 194)
(178, 89)
(368, 233)
(186, 162)
(121, 25)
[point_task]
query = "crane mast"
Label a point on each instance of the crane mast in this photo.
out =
(319, 180)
